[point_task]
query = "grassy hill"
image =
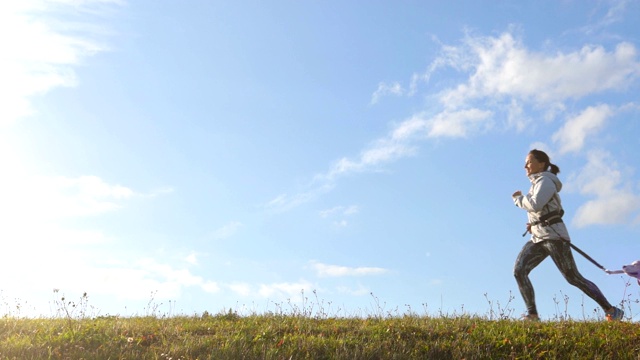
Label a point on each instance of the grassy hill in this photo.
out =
(301, 334)
(229, 336)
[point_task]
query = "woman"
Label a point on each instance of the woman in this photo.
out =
(549, 236)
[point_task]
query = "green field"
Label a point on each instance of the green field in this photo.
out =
(310, 333)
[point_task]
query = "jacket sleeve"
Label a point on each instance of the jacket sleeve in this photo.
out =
(542, 190)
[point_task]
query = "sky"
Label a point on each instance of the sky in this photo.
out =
(349, 158)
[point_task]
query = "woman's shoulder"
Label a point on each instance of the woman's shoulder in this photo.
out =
(547, 178)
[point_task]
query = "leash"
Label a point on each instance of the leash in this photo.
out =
(556, 217)
(586, 256)
(595, 262)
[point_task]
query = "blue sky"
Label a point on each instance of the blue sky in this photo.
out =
(209, 155)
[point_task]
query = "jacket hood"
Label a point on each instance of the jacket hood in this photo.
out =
(548, 175)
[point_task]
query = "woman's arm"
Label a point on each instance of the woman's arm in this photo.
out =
(541, 192)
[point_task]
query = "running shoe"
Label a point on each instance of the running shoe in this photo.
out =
(614, 314)
(530, 317)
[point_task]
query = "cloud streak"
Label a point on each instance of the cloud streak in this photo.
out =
(385, 90)
(340, 211)
(325, 270)
(227, 230)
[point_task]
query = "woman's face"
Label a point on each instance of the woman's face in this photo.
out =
(532, 165)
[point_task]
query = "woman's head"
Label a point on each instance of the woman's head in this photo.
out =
(538, 161)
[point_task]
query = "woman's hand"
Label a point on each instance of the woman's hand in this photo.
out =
(516, 194)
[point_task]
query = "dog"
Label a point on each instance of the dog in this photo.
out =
(632, 270)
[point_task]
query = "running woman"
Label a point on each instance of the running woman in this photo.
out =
(549, 236)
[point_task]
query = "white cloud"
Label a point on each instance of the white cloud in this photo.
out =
(227, 230)
(516, 116)
(192, 258)
(502, 81)
(283, 202)
(39, 53)
(459, 123)
(397, 145)
(614, 202)
(97, 274)
(285, 290)
(613, 208)
(351, 210)
(169, 280)
(503, 67)
(341, 223)
(324, 270)
(274, 291)
(571, 137)
(80, 3)
(406, 130)
(455, 124)
(242, 289)
(33, 206)
(615, 13)
(29, 199)
(36, 199)
(330, 212)
(386, 89)
(340, 211)
(383, 151)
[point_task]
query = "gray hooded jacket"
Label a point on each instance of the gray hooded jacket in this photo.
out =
(542, 199)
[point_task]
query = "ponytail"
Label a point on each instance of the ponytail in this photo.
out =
(542, 157)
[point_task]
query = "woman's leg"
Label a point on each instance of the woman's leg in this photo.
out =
(530, 256)
(563, 258)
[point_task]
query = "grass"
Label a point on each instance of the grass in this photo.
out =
(309, 332)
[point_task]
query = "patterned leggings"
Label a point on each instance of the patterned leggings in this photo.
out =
(532, 255)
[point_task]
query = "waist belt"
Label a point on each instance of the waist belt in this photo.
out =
(551, 218)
